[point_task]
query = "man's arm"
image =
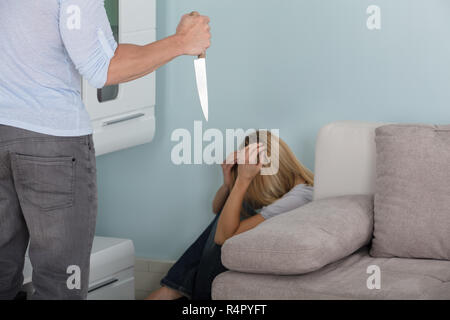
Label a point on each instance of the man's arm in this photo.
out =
(131, 62)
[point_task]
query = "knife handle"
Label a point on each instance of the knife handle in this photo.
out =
(194, 14)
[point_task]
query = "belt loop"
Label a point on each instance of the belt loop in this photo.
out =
(87, 141)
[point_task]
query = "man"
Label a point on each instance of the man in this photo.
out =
(48, 194)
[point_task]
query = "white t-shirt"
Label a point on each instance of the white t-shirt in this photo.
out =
(298, 196)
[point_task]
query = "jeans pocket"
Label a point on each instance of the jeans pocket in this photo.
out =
(45, 182)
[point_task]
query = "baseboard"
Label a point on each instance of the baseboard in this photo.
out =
(148, 274)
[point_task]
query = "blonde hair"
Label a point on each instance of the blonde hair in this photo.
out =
(266, 189)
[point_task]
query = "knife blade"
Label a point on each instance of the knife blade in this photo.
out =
(200, 76)
(202, 83)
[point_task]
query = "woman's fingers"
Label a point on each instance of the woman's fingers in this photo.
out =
(241, 155)
(249, 164)
(231, 158)
(264, 158)
(249, 155)
(255, 152)
(253, 155)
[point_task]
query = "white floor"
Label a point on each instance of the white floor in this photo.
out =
(148, 273)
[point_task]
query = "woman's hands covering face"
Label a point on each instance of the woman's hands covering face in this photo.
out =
(227, 166)
(249, 163)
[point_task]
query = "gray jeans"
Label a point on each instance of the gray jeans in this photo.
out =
(48, 197)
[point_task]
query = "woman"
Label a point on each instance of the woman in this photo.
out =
(245, 199)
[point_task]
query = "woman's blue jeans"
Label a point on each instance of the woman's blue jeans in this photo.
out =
(193, 274)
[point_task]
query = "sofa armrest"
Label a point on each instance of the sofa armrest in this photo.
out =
(303, 240)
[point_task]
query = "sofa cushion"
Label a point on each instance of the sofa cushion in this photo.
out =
(412, 199)
(345, 279)
(303, 240)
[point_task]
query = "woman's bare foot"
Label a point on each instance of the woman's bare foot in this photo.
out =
(164, 293)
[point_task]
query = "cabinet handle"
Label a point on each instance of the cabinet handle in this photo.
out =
(126, 118)
(102, 284)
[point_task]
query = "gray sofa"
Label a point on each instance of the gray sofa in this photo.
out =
(323, 250)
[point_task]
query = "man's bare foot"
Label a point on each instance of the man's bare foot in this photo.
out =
(164, 293)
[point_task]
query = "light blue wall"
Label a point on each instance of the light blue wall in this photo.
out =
(289, 64)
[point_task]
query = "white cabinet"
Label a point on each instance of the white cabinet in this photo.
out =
(124, 116)
(111, 274)
(112, 269)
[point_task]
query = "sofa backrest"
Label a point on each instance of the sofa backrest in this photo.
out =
(345, 159)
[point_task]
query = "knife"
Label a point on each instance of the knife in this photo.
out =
(200, 76)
